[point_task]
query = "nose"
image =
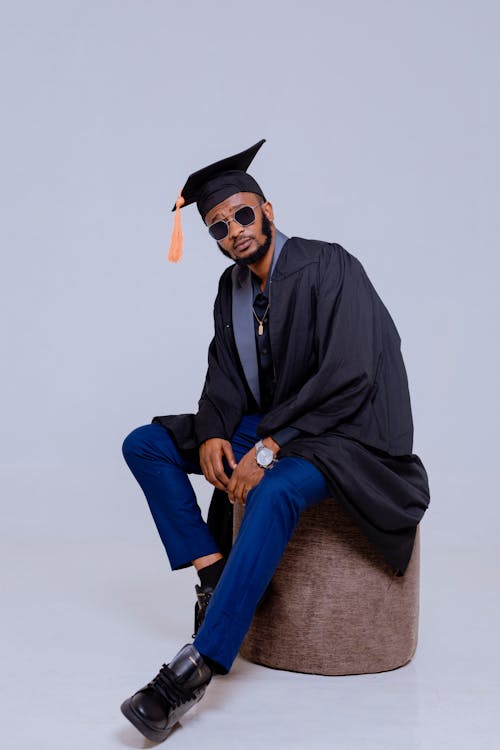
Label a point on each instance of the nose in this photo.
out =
(234, 229)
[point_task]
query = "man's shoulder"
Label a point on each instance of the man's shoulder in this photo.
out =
(297, 253)
(312, 248)
(300, 251)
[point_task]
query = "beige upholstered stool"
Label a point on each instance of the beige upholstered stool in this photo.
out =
(334, 606)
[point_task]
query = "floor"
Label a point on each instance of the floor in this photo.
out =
(86, 625)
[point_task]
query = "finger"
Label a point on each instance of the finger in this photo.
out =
(239, 493)
(230, 489)
(218, 470)
(205, 467)
(211, 477)
(218, 485)
(232, 481)
(207, 456)
(228, 452)
(244, 496)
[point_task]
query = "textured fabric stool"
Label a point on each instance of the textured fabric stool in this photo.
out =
(334, 606)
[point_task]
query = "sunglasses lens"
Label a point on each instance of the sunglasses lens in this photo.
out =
(245, 215)
(218, 230)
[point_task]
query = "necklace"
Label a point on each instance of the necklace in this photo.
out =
(262, 320)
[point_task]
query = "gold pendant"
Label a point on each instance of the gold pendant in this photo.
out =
(261, 328)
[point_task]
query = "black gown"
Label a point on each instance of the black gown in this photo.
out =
(340, 380)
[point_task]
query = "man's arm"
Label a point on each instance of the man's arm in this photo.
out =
(282, 437)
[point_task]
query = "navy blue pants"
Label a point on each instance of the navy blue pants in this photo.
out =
(271, 514)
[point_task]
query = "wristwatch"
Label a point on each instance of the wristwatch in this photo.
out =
(264, 456)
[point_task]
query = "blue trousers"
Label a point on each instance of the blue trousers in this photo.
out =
(271, 514)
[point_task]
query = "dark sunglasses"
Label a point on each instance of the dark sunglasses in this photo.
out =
(243, 216)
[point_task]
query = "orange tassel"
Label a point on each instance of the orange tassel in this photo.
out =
(175, 249)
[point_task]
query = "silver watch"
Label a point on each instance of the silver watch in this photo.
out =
(264, 456)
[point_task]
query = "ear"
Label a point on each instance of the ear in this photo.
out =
(267, 209)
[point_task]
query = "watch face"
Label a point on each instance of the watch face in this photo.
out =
(265, 456)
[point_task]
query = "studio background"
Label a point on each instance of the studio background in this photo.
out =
(382, 124)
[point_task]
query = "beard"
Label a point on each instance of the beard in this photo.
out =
(262, 249)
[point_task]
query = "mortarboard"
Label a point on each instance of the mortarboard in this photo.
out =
(209, 186)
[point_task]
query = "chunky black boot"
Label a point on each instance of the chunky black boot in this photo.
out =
(203, 596)
(178, 686)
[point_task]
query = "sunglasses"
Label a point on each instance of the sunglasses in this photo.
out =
(243, 216)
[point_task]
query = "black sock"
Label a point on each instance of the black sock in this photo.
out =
(210, 575)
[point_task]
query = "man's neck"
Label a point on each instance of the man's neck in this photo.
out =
(263, 266)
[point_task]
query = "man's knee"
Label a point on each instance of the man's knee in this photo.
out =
(140, 443)
(277, 498)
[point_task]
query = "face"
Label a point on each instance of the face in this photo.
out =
(244, 245)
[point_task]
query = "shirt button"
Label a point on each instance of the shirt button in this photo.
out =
(264, 351)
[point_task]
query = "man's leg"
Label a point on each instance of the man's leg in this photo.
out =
(161, 470)
(272, 511)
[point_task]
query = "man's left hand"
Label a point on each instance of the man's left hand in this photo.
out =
(247, 474)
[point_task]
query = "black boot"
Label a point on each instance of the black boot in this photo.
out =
(158, 706)
(203, 596)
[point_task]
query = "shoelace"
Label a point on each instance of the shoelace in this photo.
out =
(165, 683)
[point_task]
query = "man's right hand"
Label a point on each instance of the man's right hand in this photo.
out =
(212, 451)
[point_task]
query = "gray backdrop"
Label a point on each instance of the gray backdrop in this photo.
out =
(382, 122)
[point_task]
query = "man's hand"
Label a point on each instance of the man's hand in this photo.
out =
(247, 474)
(212, 451)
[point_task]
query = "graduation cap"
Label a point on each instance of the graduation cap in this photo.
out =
(211, 185)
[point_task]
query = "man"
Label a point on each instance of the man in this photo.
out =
(305, 398)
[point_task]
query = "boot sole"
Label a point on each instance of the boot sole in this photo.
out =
(155, 735)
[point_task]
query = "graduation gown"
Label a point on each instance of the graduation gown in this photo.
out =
(340, 380)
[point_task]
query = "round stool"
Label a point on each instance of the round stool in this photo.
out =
(334, 606)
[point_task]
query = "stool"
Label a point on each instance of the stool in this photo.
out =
(334, 606)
